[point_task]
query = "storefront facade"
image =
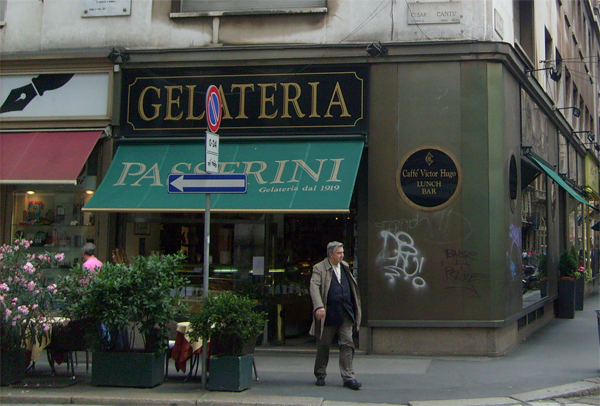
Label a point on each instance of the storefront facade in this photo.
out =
(433, 201)
(54, 133)
(434, 166)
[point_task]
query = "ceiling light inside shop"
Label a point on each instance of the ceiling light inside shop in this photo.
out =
(89, 192)
(30, 192)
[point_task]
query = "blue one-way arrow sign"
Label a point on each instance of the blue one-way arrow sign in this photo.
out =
(213, 183)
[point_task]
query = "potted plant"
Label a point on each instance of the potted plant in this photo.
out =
(123, 300)
(579, 276)
(232, 323)
(25, 303)
(567, 267)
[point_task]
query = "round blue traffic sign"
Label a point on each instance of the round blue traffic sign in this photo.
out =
(214, 108)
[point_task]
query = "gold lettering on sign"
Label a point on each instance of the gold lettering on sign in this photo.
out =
(141, 104)
(280, 167)
(171, 102)
(224, 103)
(152, 173)
(264, 99)
(340, 102)
(294, 101)
(125, 173)
(313, 110)
(257, 175)
(301, 164)
(191, 98)
(242, 87)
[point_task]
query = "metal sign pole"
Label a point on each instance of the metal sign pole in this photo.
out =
(205, 271)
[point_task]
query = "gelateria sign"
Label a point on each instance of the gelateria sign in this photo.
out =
(292, 100)
(428, 178)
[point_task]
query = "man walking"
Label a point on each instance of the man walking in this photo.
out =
(336, 310)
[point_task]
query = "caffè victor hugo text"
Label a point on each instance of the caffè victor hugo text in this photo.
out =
(318, 100)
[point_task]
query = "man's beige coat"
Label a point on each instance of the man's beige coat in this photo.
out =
(320, 280)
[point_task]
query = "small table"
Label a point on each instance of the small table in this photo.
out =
(35, 346)
(184, 349)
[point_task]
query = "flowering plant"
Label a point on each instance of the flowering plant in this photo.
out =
(24, 299)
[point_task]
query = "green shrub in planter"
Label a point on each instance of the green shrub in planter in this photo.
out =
(122, 299)
(230, 321)
(144, 296)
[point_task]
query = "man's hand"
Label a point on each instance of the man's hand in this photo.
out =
(320, 313)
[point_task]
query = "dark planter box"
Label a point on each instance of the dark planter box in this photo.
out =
(13, 366)
(233, 374)
(579, 293)
(543, 288)
(565, 305)
(130, 369)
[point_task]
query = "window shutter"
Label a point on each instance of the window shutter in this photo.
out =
(248, 6)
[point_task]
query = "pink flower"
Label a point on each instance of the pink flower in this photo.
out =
(59, 257)
(4, 286)
(29, 268)
(23, 309)
(47, 326)
(31, 286)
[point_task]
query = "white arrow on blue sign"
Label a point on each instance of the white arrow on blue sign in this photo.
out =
(212, 183)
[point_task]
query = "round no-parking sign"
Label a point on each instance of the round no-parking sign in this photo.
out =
(214, 110)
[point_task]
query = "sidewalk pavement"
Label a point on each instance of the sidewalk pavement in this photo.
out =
(558, 365)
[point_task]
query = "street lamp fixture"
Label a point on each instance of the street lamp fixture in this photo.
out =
(576, 111)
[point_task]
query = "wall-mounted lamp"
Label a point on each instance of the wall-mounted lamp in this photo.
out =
(375, 49)
(590, 136)
(118, 55)
(555, 75)
(576, 111)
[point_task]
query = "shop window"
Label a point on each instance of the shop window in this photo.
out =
(513, 180)
(534, 232)
(200, 8)
(55, 223)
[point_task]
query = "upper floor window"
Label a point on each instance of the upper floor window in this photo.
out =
(2, 12)
(524, 32)
(201, 8)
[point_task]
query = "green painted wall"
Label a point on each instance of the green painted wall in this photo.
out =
(451, 264)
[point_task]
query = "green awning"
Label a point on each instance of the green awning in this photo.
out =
(283, 176)
(556, 177)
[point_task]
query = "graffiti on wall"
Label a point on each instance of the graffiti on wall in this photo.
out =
(400, 258)
(434, 228)
(515, 250)
(458, 274)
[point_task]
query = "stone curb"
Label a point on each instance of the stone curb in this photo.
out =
(570, 390)
(224, 398)
(467, 402)
(588, 387)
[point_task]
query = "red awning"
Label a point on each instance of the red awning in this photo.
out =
(45, 157)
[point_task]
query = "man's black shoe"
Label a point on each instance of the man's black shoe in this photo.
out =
(352, 384)
(320, 381)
